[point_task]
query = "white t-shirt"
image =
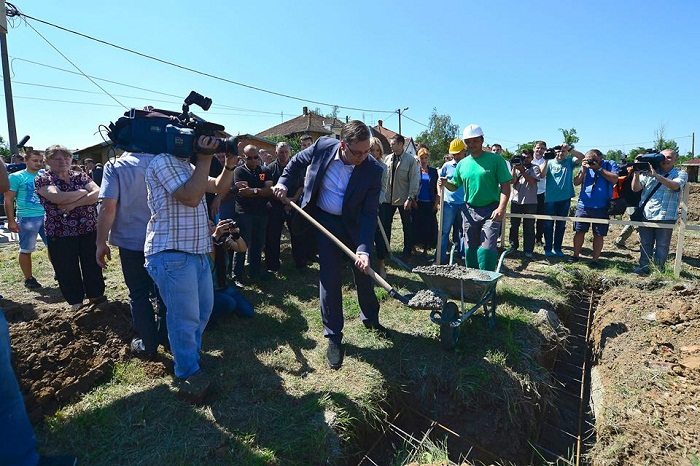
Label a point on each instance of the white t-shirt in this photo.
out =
(541, 184)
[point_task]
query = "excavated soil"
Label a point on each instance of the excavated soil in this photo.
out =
(646, 378)
(426, 299)
(60, 354)
(693, 203)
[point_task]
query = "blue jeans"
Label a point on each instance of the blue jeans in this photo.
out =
(148, 321)
(554, 231)
(230, 301)
(654, 244)
(17, 441)
(253, 231)
(451, 215)
(185, 283)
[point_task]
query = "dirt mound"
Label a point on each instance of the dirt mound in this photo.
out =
(63, 353)
(646, 384)
(693, 203)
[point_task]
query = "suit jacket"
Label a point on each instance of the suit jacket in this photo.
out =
(361, 200)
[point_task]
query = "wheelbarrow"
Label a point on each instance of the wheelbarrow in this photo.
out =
(477, 286)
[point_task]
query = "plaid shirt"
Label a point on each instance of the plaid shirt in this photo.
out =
(663, 205)
(174, 225)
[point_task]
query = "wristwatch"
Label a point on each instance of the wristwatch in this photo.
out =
(255, 191)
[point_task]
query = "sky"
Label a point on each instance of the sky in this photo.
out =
(617, 71)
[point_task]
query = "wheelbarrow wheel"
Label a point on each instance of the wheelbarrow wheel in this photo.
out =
(448, 334)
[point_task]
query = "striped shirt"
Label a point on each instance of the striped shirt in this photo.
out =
(663, 205)
(174, 225)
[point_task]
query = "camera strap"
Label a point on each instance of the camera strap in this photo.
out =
(658, 185)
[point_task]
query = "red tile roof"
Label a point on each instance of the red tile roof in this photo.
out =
(309, 122)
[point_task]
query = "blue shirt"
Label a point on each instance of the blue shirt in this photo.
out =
(28, 202)
(596, 191)
(663, 205)
(452, 197)
(333, 186)
(560, 180)
(125, 181)
(424, 193)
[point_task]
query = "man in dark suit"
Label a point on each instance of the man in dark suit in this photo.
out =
(341, 191)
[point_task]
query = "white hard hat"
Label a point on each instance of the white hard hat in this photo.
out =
(472, 131)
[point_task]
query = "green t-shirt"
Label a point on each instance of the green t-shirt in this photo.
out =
(28, 203)
(482, 178)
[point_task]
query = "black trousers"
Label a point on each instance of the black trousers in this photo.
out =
(276, 220)
(73, 260)
(387, 212)
(528, 226)
(539, 225)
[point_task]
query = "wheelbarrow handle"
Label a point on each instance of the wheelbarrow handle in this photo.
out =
(374, 276)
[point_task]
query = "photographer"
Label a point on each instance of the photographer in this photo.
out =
(559, 175)
(524, 200)
(251, 211)
(661, 191)
(123, 216)
(177, 245)
(597, 177)
(227, 299)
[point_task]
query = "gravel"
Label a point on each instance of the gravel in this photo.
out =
(425, 299)
(456, 272)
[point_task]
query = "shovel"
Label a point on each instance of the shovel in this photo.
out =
(398, 261)
(404, 299)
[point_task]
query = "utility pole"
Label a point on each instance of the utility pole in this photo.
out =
(692, 145)
(11, 128)
(399, 111)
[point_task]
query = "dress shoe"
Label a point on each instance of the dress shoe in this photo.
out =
(335, 354)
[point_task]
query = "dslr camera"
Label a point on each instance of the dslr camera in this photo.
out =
(650, 158)
(516, 160)
(154, 131)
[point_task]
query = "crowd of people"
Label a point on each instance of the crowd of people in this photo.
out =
(192, 233)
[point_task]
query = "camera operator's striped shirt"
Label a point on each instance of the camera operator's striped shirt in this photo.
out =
(173, 225)
(664, 204)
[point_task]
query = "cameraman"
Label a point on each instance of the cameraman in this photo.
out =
(597, 178)
(124, 216)
(524, 201)
(661, 206)
(178, 242)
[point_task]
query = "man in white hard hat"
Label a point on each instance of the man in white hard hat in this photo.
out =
(486, 179)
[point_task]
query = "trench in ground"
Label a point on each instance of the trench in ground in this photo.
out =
(565, 430)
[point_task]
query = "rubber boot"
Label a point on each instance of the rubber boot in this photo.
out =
(487, 259)
(472, 258)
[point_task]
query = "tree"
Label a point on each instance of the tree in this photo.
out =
(615, 155)
(661, 143)
(441, 131)
(5, 152)
(635, 152)
(526, 145)
(569, 135)
(294, 143)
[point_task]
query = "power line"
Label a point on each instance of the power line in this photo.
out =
(140, 88)
(415, 121)
(71, 62)
(186, 68)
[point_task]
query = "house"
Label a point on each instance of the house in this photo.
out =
(100, 153)
(692, 166)
(384, 134)
(308, 122)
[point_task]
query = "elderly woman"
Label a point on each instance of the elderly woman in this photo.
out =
(377, 151)
(424, 221)
(70, 201)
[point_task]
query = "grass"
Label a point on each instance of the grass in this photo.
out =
(277, 403)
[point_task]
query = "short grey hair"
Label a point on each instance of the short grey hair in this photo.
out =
(51, 151)
(280, 145)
